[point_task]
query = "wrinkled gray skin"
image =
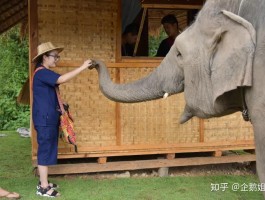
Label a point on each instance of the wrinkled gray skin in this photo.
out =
(222, 52)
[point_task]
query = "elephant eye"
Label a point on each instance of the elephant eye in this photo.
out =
(178, 52)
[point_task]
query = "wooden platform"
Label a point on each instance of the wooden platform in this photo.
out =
(169, 160)
(107, 130)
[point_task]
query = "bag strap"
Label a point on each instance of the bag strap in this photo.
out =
(59, 100)
(37, 69)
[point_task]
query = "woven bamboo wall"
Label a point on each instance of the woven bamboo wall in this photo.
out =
(84, 28)
(228, 128)
(155, 122)
(147, 123)
(87, 29)
(94, 114)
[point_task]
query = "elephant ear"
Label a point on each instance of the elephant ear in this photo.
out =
(232, 58)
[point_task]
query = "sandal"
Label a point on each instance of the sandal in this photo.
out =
(52, 185)
(44, 192)
(11, 195)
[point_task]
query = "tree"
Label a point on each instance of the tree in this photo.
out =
(13, 74)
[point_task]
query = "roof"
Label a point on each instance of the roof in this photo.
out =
(12, 12)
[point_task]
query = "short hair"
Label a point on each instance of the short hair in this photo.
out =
(131, 28)
(170, 18)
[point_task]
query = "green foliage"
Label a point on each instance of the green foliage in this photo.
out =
(13, 74)
(154, 42)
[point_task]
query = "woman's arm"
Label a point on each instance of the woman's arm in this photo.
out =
(69, 75)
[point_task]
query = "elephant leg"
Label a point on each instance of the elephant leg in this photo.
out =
(259, 134)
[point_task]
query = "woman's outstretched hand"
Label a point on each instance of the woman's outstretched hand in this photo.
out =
(69, 75)
(94, 64)
(87, 63)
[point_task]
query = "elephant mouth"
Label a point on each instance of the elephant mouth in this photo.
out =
(176, 90)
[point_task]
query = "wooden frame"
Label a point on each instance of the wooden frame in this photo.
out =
(173, 4)
(110, 151)
(119, 67)
(146, 164)
(33, 43)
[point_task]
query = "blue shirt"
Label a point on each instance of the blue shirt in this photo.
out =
(45, 103)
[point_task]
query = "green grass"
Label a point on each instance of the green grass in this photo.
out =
(16, 175)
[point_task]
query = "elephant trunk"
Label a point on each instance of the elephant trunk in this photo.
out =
(153, 86)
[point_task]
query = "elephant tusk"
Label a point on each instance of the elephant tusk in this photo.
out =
(165, 95)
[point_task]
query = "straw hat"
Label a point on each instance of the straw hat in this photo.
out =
(46, 47)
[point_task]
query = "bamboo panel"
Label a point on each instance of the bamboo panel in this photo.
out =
(84, 28)
(93, 113)
(147, 123)
(228, 128)
(155, 122)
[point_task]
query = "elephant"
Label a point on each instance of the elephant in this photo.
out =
(219, 64)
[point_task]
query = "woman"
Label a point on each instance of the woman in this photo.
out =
(46, 111)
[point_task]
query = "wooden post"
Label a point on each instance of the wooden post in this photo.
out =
(170, 156)
(217, 153)
(163, 172)
(102, 160)
(33, 44)
(118, 33)
(118, 113)
(201, 130)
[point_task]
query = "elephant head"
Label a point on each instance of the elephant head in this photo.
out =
(209, 61)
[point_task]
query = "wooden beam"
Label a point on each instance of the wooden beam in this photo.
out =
(33, 43)
(194, 147)
(126, 63)
(144, 152)
(173, 4)
(140, 32)
(146, 164)
(149, 150)
(169, 6)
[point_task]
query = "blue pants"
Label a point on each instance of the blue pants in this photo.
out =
(47, 137)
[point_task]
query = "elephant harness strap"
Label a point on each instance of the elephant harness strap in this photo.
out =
(245, 113)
